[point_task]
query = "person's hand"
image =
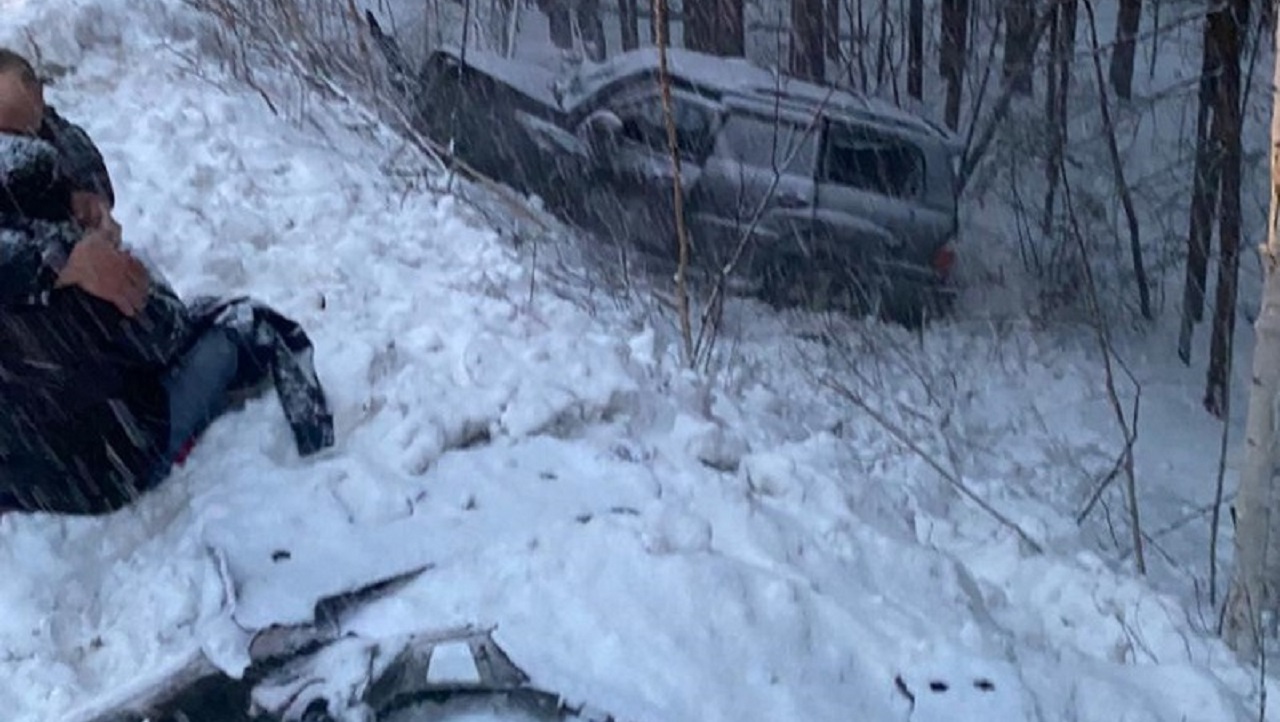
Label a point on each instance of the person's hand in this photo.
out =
(87, 208)
(101, 269)
(92, 212)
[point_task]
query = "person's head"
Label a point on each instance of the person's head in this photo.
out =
(21, 95)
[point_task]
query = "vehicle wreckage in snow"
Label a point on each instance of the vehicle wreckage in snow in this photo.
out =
(783, 181)
(322, 672)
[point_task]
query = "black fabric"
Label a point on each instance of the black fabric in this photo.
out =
(85, 412)
(274, 348)
(81, 162)
(85, 419)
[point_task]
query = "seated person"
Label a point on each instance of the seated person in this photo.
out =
(106, 376)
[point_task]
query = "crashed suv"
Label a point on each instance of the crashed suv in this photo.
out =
(783, 181)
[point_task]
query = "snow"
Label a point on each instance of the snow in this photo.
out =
(738, 545)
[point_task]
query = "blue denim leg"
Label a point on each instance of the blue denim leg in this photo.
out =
(197, 387)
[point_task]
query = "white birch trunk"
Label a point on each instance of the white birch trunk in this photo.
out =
(1254, 602)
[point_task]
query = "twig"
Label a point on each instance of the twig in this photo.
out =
(710, 321)
(1102, 486)
(1129, 430)
(976, 149)
(950, 477)
(1117, 166)
(677, 190)
(1218, 491)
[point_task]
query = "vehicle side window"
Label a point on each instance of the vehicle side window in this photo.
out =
(863, 159)
(645, 123)
(771, 144)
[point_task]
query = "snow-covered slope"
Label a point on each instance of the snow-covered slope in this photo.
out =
(740, 546)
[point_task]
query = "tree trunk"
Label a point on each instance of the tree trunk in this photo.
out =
(1204, 193)
(807, 59)
(1019, 51)
(659, 23)
(559, 23)
(1257, 545)
(1122, 187)
(882, 46)
(700, 25)
(1230, 24)
(731, 29)
(1127, 23)
(860, 44)
(591, 27)
(955, 26)
(683, 249)
(629, 19)
(832, 27)
(1062, 44)
(915, 49)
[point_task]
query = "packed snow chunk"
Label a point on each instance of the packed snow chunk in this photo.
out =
(769, 474)
(711, 442)
(678, 532)
(368, 500)
(564, 387)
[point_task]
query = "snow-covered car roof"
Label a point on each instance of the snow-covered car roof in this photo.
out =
(723, 76)
(738, 76)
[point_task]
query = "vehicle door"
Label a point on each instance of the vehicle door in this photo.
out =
(755, 201)
(638, 174)
(871, 187)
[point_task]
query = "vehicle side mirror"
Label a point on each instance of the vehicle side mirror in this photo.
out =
(600, 132)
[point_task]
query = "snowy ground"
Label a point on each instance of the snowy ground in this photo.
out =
(744, 546)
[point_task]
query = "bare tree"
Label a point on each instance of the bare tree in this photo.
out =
(955, 27)
(1228, 25)
(832, 25)
(629, 20)
(700, 25)
(1256, 578)
(1117, 168)
(1204, 193)
(807, 59)
(591, 26)
(659, 25)
(1127, 22)
(883, 71)
(915, 49)
(1062, 43)
(858, 31)
(683, 311)
(731, 28)
(1019, 50)
(560, 18)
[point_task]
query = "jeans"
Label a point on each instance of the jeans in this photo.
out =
(197, 387)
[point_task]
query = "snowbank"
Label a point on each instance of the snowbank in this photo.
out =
(748, 547)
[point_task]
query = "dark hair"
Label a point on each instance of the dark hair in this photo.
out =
(11, 62)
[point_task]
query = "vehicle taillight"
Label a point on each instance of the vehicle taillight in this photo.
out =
(943, 260)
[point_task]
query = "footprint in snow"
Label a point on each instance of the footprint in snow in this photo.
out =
(963, 690)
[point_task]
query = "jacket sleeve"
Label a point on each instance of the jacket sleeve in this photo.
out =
(82, 161)
(31, 257)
